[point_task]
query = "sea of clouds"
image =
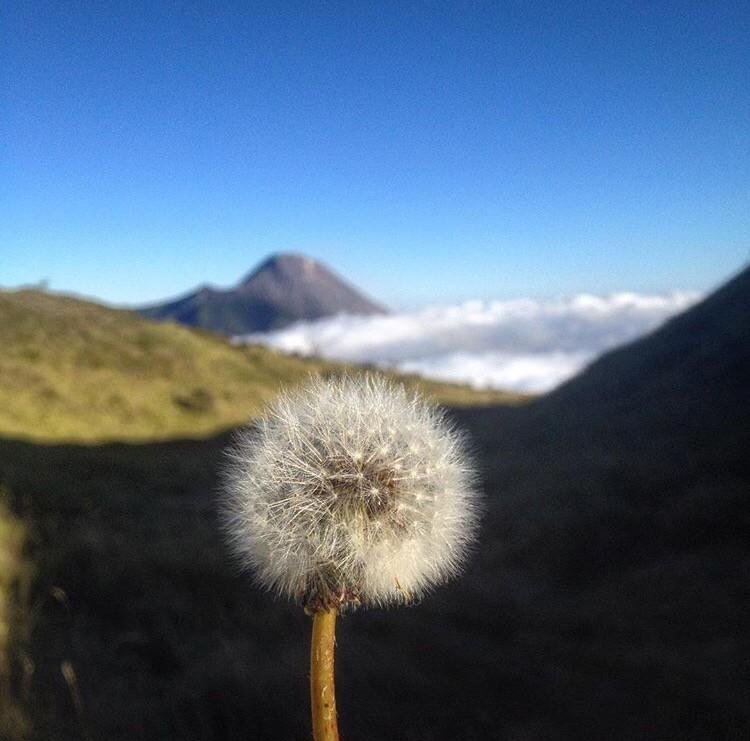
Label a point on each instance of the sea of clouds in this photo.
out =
(521, 345)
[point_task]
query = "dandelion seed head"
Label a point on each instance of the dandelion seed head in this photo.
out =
(350, 491)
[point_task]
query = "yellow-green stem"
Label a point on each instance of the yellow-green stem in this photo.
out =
(322, 688)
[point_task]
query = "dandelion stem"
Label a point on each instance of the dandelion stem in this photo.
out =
(322, 688)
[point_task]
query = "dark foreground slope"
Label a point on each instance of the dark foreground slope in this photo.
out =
(622, 503)
(657, 429)
(283, 289)
(607, 597)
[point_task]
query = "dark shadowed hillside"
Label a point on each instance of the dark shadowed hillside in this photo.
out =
(621, 505)
(694, 371)
(283, 289)
(607, 598)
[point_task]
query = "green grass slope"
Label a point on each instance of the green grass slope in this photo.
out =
(73, 370)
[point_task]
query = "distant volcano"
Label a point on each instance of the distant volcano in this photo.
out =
(283, 289)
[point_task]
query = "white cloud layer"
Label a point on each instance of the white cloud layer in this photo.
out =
(523, 345)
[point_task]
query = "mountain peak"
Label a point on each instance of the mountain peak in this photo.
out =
(284, 288)
(285, 263)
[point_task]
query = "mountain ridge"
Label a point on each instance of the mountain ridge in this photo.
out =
(697, 344)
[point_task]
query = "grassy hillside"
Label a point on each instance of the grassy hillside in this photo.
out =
(77, 371)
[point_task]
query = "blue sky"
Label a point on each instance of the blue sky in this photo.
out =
(428, 151)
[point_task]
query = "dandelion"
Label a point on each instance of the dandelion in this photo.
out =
(349, 492)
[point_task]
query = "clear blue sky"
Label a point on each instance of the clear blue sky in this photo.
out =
(429, 151)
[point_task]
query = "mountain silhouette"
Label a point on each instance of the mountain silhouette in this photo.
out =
(283, 289)
(617, 531)
(661, 425)
(693, 371)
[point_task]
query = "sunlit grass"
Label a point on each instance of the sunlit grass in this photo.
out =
(75, 371)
